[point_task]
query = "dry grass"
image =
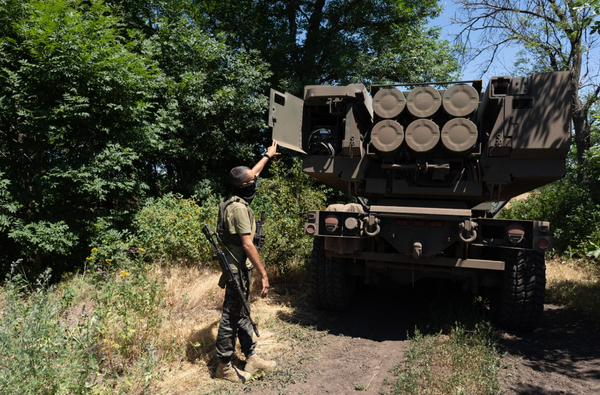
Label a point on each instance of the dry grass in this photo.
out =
(171, 348)
(576, 284)
(193, 310)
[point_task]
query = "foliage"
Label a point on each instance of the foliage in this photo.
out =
(40, 352)
(215, 107)
(95, 114)
(171, 227)
(128, 312)
(337, 42)
(7, 206)
(572, 209)
(286, 198)
(67, 81)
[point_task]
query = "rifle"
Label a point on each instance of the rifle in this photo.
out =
(259, 236)
(232, 279)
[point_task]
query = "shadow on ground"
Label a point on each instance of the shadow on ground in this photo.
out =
(387, 311)
(564, 350)
(562, 356)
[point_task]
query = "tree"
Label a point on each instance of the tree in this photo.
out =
(214, 98)
(555, 35)
(335, 41)
(95, 114)
(73, 99)
(212, 95)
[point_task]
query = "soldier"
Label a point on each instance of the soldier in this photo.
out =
(236, 228)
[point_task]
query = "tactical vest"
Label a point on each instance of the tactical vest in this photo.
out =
(232, 243)
(224, 234)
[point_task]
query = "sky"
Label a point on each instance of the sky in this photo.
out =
(471, 71)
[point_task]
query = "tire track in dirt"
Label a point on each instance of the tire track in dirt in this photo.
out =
(364, 343)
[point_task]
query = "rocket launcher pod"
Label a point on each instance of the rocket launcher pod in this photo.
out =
(440, 142)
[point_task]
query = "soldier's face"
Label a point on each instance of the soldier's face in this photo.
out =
(250, 178)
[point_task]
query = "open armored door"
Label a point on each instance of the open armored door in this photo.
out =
(285, 117)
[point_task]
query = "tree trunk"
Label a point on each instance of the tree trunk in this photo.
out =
(579, 112)
(312, 48)
(582, 126)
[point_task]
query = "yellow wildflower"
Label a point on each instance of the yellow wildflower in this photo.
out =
(94, 249)
(89, 258)
(123, 274)
(142, 249)
(108, 260)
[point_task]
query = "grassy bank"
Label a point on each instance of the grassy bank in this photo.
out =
(140, 329)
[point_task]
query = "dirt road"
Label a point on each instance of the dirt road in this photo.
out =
(365, 343)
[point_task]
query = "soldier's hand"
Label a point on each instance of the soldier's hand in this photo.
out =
(272, 150)
(265, 286)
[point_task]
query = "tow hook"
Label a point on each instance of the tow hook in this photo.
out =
(467, 231)
(372, 227)
(417, 250)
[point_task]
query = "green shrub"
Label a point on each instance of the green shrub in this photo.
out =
(44, 237)
(286, 198)
(40, 352)
(574, 216)
(110, 248)
(128, 312)
(170, 227)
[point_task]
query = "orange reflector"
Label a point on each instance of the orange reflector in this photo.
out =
(516, 230)
(402, 222)
(516, 233)
(435, 224)
(331, 223)
(418, 223)
(331, 220)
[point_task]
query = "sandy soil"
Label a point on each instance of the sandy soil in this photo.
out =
(365, 343)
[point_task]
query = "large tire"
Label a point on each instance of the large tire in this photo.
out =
(524, 290)
(331, 287)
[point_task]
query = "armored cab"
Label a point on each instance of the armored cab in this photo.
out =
(427, 163)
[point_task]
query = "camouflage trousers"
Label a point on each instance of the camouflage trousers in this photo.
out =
(234, 324)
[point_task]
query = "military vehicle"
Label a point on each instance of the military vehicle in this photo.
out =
(430, 164)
